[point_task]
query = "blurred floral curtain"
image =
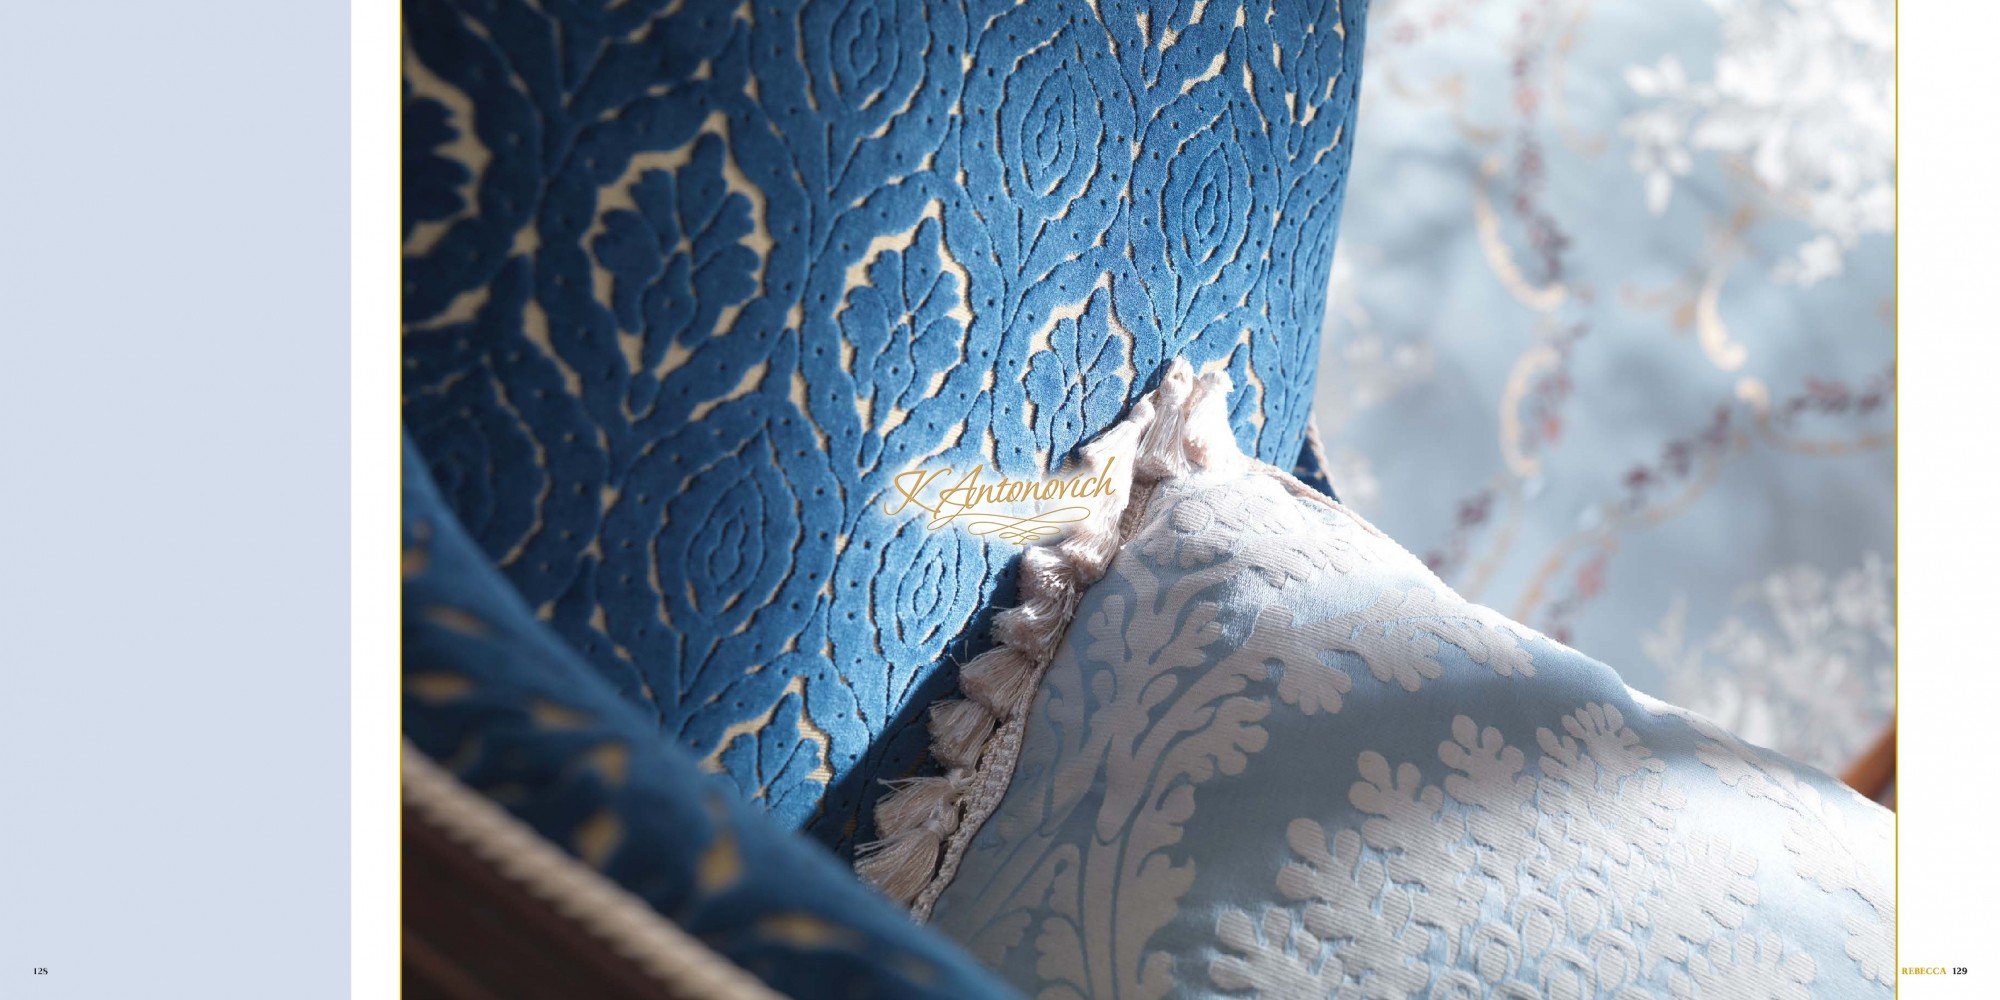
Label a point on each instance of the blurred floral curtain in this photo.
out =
(1612, 344)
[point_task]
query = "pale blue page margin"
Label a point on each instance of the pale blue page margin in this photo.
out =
(174, 467)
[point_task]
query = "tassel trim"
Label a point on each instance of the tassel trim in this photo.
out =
(926, 823)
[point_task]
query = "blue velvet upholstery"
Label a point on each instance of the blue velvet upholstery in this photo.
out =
(493, 695)
(688, 284)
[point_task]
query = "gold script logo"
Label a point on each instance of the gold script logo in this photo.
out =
(993, 506)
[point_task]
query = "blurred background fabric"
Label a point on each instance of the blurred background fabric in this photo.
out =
(1611, 339)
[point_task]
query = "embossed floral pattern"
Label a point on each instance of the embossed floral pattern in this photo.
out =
(493, 697)
(688, 284)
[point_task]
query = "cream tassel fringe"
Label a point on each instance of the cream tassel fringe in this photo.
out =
(926, 823)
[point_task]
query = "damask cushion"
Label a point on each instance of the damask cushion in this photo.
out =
(497, 699)
(1273, 755)
(688, 284)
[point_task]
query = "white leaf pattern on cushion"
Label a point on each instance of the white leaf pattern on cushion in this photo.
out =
(1433, 799)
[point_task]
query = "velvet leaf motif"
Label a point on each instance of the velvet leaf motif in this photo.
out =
(688, 284)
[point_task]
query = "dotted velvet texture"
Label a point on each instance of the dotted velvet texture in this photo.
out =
(687, 284)
(516, 715)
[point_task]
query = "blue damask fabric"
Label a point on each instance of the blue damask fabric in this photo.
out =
(688, 284)
(493, 695)
(1275, 756)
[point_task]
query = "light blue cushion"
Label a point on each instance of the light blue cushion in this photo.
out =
(1274, 755)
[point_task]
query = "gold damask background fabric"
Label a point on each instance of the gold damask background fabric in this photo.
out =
(1611, 344)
